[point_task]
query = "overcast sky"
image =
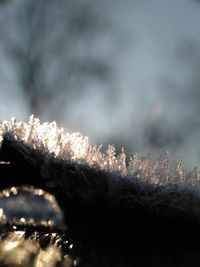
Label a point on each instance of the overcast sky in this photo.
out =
(145, 45)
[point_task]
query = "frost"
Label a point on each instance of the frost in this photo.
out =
(75, 147)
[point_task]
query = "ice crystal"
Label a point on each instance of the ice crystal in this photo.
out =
(75, 147)
(17, 250)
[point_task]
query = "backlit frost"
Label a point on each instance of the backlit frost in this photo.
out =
(75, 147)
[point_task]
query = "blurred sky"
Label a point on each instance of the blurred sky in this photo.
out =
(151, 50)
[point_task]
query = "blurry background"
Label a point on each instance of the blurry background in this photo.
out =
(123, 72)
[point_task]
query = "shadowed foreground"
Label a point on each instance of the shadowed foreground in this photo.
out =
(116, 215)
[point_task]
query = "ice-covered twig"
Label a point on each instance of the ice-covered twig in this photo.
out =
(110, 197)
